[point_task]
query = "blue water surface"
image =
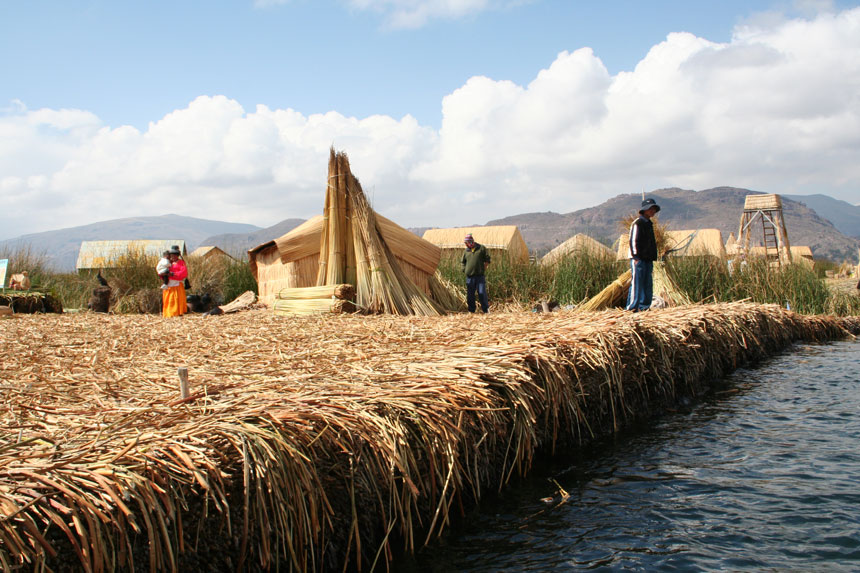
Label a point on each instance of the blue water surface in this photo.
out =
(762, 475)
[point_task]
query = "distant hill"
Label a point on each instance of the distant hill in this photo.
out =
(238, 244)
(719, 208)
(61, 246)
(831, 228)
(843, 215)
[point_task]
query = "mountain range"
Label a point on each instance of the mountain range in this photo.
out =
(718, 208)
(830, 227)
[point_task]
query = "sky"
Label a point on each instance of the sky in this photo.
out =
(452, 112)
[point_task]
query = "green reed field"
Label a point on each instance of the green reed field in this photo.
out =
(571, 281)
(135, 286)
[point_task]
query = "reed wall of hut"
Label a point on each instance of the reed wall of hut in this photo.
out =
(292, 261)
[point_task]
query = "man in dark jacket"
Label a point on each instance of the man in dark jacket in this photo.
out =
(643, 253)
(475, 261)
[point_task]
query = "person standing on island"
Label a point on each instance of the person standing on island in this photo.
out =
(475, 261)
(643, 253)
(173, 297)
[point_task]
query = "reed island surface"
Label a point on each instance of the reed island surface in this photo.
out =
(322, 442)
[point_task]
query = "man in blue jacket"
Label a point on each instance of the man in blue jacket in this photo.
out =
(643, 253)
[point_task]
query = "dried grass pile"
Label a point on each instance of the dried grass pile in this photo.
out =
(301, 448)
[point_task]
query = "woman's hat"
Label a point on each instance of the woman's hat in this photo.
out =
(174, 250)
(647, 204)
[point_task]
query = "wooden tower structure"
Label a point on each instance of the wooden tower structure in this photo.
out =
(764, 212)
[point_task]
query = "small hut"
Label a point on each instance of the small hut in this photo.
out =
(503, 240)
(686, 243)
(732, 247)
(578, 243)
(106, 254)
(293, 260)
(695, 243)
(799, 254)
(392, 270)
(210, 253)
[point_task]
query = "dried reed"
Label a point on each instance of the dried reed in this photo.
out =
(319, 442)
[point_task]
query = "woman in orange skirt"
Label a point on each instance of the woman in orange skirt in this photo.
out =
(173, 294)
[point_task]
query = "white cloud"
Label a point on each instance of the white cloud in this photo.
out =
(775, 109)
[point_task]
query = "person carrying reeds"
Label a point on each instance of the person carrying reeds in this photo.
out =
(643, 253)
(476, 259)
(173, 297)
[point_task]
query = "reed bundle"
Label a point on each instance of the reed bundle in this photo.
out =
(610, 296)
(312, 306)
(301, 450)
(666, 288)
(341, 291)
(354, 249)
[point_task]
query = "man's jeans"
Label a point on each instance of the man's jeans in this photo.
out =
(479, 285)
(641, 287)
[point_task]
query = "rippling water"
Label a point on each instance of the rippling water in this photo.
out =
(762, 475)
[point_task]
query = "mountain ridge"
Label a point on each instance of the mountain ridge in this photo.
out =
(61, 246)
(718, 207)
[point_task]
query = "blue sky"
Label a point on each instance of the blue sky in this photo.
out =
(453, 111)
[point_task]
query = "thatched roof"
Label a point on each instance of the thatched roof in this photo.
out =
(731, 244)
(696, 242)
(208, 251)
(304, 241)
(763, 202)
(686, 243)
(577, 244)
(797, 252)
(105, 254)
(500, 238)
(392, 270)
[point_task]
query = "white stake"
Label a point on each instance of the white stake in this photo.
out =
(183, 382)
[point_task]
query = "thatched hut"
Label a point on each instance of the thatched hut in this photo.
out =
(210, 253)
(578, 243)
(732, 246)
(293, 260)
(350, 249)
(685, 243)
(799, 254)
(695, 243)
(503, 240)
(106, 254)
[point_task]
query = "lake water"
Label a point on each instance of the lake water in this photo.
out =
(763, 474)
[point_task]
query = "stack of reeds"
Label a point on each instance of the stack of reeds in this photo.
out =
(311, 300)
(353, 250)
(665, 287)
(613, 295)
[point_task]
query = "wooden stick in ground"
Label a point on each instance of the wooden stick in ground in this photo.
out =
(183, 383)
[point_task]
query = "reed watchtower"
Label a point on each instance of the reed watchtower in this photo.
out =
(768, 210)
